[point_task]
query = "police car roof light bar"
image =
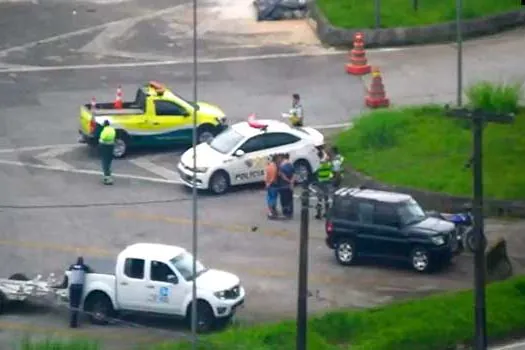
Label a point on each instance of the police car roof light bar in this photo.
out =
(255, 124)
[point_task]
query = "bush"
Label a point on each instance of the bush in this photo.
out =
(500, 98)
(431, 323)
(420, 147)
(50, 344)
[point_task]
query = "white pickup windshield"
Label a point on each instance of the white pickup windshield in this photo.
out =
(226, 141)
(184, 264)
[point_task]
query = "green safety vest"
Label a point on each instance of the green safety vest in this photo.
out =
(325, 172)
(107, 136)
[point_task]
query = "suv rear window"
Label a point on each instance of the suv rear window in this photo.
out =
(344, 208)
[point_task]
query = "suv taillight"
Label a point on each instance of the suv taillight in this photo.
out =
(92, 126)
(329, 227)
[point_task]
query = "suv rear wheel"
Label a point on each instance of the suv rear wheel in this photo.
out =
(345, 252)
(420, 259)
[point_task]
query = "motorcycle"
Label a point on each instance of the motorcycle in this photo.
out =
(464, 223)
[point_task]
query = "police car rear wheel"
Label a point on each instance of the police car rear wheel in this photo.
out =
(120, 148)
(302, 171)
(219, 183)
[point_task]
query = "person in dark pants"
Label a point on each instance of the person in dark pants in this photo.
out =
(286, 173)
(271, 179)
(76, 288)
(107, 144)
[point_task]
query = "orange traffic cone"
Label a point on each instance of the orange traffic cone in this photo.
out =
(118, 99)
(358, 63)
(93, 105)
(376, 96)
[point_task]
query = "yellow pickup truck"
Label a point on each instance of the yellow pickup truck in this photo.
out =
(157, 117)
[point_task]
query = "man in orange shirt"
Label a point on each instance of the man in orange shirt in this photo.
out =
(271, 176)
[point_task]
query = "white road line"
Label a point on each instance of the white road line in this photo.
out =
(89, 30)
(332, 126)
(50, 158)
(168, 62)
(511, 346)
(156, 169)
(39, 148)
(87, 172)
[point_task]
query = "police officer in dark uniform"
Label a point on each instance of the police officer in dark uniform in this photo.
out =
(76, 288)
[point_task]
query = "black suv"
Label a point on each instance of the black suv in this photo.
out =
(379, 224)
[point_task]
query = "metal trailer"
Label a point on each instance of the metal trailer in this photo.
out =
(19, 288)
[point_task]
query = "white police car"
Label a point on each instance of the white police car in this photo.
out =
(239, 154)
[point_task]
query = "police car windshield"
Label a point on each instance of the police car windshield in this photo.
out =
(184, 264)
(410, 212)
(226, 141)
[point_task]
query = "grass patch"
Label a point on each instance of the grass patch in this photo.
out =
(400, 13)
(50, 344)
(432, 323)
(419, 147)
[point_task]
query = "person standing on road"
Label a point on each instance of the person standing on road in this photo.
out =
(107, 144)
(337, 167)
(323, 184)
(271, 176)
(76, 289)
(286, 173)
(296, 113)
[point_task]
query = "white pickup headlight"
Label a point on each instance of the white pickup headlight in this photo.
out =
(220, 295)
(438, 240)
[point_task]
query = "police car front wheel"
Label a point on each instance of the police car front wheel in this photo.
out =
(219, 182)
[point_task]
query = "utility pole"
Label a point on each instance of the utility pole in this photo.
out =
(378, 13)
(194, 309)
(479, 118)
(459, 44)
(302, 290)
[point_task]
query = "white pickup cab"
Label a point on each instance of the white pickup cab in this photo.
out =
(158, 279)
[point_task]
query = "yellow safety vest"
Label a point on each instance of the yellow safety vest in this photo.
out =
(107, 136)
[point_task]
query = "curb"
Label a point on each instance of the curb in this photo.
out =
(441, 201)
(405, 36)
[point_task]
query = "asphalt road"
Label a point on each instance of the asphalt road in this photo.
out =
(53, 206)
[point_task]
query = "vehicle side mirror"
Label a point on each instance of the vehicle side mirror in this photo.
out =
(239, 153)
(172, 279)
(186, 114)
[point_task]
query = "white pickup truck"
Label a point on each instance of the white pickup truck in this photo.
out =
(158, 279)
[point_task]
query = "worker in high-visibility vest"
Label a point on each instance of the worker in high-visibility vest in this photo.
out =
(323, 184)
(107, 144)
(337, 167)
(296, 113)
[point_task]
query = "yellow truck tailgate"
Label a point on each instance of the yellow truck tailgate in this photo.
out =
(85, 121)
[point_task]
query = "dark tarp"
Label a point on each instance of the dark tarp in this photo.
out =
(273, 10)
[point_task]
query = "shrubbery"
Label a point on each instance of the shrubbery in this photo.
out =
(420, 147)
(438, 322)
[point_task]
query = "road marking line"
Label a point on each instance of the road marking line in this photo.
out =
(332, 126)
(94, 251)
(231, 228)
(510, 346)
(90, 29)
(101, 252)
(156, 169)
(39, 148)
(169, 62)
(88, 172)
(50, 158)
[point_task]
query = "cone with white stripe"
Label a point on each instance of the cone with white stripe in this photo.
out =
(118, 99)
